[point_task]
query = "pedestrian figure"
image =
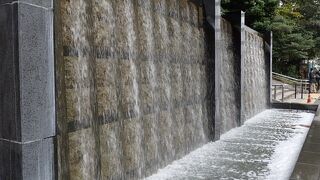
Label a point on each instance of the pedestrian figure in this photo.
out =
(312, 80)
(317, 76)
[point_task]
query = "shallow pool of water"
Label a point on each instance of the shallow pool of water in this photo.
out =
(265, 147)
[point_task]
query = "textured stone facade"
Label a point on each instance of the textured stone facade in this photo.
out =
(255, 74)
(135, 80)
(230, 78)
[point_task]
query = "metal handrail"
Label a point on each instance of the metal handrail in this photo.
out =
(303, 83)
(290, 78)
(275, 91)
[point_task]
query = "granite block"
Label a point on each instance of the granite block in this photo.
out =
(38, 160)
(27, 110)
(36, 68)
(10, 160)
(41, 3)
(10, 127)
(27, 161)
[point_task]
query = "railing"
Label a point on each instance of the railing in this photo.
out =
(303, 83)
(275, 91)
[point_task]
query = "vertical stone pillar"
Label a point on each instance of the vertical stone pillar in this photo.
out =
(237, 19)
(27, 98)
(213, 16)
(242, 56)
(268, 53)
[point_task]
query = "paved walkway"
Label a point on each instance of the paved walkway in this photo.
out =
(314, 98)
(308, 165)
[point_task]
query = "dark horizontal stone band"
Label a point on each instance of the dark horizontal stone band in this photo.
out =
(106, 53)
(114, 116)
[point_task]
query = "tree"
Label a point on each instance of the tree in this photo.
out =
(310, 9)
(259, 13)
(295, 25)
(292, 43)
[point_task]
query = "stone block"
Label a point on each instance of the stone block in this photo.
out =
(128, 88)
(66, 12)
(163, 84)
(10, 127)
(188, 82)
(107, 101)
(166, 139)
(10, 160)
(104, 24)
(71, 70)
(27, 97)
(111, 152)
(36, 72)
(150, 141)
(27, 161)
(147, 98)
(147, 72)
(42, 3)
(184, 10)
(83, 159)
(131, 136)
(38, 160)
(29, 74)
(176, 82)
(200, 125)
(106, 88)
(189, 132)
(78, 105)
(106, 72)
(179, 132)
(196, 80)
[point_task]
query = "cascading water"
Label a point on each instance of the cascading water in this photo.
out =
(230, 78)
(136, 87)
(255, 75)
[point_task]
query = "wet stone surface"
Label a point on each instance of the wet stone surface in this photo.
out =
(257, 150)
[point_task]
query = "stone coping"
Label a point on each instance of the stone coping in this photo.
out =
(298, 106)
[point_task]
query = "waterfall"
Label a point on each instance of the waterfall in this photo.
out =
(136, 86)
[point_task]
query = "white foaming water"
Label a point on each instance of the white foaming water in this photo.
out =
(265, 147)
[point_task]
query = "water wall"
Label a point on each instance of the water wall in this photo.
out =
(128, 87)
(133, 83)
(229, 78)
(256, 74)
(245, 72)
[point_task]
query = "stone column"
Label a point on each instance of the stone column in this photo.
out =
(268, 53)
(27, 106)
(213, 16)
(242, 56)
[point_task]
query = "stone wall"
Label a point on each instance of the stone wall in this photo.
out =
(230, 78)
(256, 74)
(133, 80)
(245, 72)
(138, 84)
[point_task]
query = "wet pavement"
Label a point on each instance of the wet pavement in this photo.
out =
(266, 147)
